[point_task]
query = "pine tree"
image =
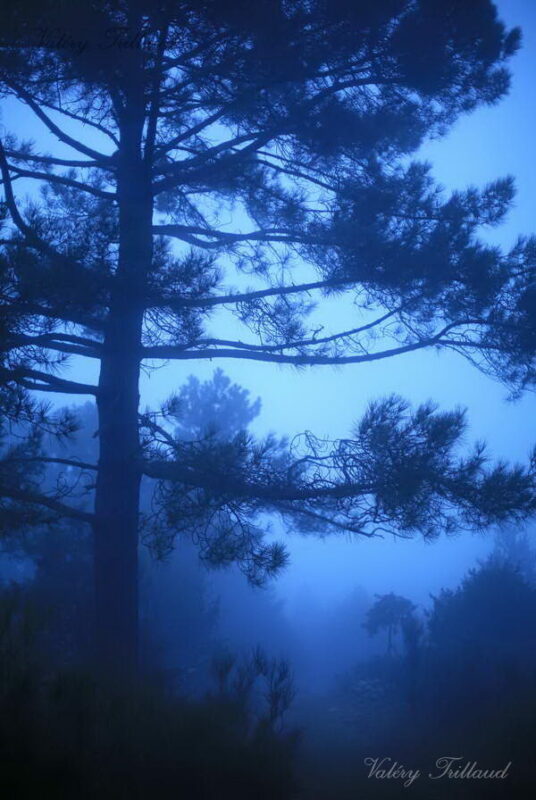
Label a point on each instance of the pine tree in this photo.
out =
(295, 121)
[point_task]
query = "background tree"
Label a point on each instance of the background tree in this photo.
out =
(458, 625)
(296, 121)
(215, 407)
(186, 610)
(512, 545)
(390, 613)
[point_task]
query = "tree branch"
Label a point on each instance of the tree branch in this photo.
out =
(328, 521)
(190, 234)
(267, 348)
(176, 352)
(244, 297)
(76, 345)
(33, 239)
(27, 377)
(84, 120)
(62, 180)
(34, 309)
(53, 161)
(171, 352)
(294, 173)
(176, 472)
(27, 98)
(68, 462)
(260, 138)
(152, 123)
(34, 498)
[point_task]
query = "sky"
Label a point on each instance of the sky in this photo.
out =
(490, 143)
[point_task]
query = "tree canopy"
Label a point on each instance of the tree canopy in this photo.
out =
(223, 169)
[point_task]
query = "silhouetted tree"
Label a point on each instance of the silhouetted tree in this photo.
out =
(182, 614)
(480, 648)
(215, 407)
(512, 546)
(299, 119)
(491, 615)
(391, 613)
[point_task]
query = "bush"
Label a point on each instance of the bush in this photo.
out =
(67, 734)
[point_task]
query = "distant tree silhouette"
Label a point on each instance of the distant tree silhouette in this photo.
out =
(512, 546)
(390, 613)
(491, 615)
(215, 407)
(480, 647)
(294, 121)
(465, 672)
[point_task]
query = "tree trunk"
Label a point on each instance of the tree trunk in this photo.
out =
(118, 482)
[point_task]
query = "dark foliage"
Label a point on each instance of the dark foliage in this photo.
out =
(64, 734)
(295, 121)
(462, 683)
